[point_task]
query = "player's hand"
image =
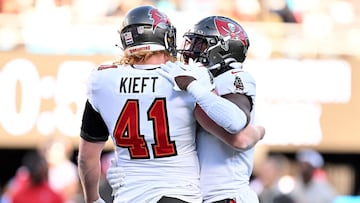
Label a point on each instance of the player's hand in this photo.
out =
(173, 70)
(115, 176)
(204, 76)
(200, 73)
(183, 75)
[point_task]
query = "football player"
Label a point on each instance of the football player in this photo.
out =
(221, 44)
(150, 122)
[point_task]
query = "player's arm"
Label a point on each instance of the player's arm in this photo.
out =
(89, 168)
(197, 81)
(242, 140)
(94, 134)
(248, 137)
(251, 134)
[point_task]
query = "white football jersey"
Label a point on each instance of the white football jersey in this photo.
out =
(225, 172)
(153, 129)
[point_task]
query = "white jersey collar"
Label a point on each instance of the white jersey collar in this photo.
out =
(146, 67)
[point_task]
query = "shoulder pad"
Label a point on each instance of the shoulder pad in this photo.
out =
(103, 67)
(235, 81)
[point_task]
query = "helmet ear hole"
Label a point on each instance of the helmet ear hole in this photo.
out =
(204, 61)
(212, 41)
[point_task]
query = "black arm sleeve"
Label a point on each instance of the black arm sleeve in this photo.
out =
(93, 127)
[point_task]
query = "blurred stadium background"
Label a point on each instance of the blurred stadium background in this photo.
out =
(304, 54)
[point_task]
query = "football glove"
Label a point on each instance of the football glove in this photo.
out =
(196, 71)
(115, 176)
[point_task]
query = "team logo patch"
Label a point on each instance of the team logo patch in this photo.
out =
(228, 28)
(239, 85)
(159, 19)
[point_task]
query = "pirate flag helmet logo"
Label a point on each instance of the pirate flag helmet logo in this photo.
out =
(227, 28)
(159, 19)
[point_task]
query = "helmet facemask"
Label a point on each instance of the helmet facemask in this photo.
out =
(196, 47)
(170, 41)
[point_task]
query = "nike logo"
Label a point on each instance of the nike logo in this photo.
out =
(235, 71)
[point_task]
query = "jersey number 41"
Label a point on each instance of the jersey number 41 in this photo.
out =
(127, 130)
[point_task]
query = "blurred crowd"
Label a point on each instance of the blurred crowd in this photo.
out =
(288, 11)
(47, 174)
(302, 180)
(275, 24)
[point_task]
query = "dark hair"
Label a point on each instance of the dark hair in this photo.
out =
(37, 167)
(283, 198)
